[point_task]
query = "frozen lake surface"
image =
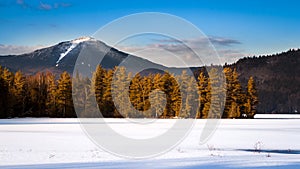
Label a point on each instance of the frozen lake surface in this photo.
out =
(61, 143)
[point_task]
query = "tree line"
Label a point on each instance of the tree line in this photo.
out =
(159, 95)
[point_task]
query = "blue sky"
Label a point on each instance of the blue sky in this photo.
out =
(260, 26)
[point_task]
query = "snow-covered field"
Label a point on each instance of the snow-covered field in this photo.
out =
(61, 143)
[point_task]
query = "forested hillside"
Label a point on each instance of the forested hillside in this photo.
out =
(44, 95)
(278, 80)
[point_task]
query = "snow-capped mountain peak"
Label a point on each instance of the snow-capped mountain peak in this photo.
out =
(74, 43)
(82, 39)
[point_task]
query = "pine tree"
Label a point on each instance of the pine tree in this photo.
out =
(3, 95)
(229, 92)
(51, 102)
(136, 95)
(108, 109)
(139, 92)
(98, 85)
(207, 103)
(176, 101)
(234, 94)
(7, 78)
(18, 92)
(188, 94)
(120, 91)
(78, 95)
(36, 95)
(182, 105)
(83, 97)
(157, 97)
(217, 92)
(87, 99)
(147, 86)
(203, 92)
(192, 98)
(237, 96)
(251, 97)
(171, 89)
(64, 96)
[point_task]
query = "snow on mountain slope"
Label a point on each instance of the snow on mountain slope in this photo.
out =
(74, 43)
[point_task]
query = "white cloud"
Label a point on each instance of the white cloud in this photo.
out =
(231, 55)
(15, 50)
(170, 52)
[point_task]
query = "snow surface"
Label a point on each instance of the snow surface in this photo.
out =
(277, 116)
(74, 43)
(61, 143)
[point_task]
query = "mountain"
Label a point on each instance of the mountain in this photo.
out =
(277, 76)
(62, 57)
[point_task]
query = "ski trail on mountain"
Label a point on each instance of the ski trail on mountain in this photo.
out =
(74, 43)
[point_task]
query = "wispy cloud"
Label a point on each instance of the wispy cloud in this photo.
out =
(189, 52)
(23, 4)
(202, 40)
(62, 5)
(223, 41)
(42, 5)
(15, 49)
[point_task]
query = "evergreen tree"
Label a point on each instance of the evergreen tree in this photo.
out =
(192, 98)
(173, 96)
(3, 95)
(18, 92)
(88, 99)
(64, 96)
(234, 94)
(7, 78)
(51, 102)
(147, 86)
(158, 97)
(251, 97)
(139, 92)
(188, 92)
(229, 92)
(176, 103)
(182, 106)
(136, 94)
(98, 85)
(237, 96)
(83, 93)
(120, 92)
(108, 109)
(217, 92)
(203, 92)
(207, 101)
(36, 95)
